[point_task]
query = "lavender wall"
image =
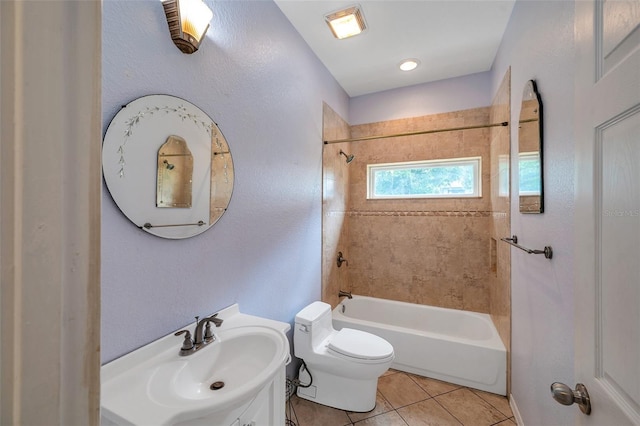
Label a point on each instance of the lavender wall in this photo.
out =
(260, 82)
(538, 45)
(453, 94)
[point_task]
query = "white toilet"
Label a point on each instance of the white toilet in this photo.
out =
(341, 367)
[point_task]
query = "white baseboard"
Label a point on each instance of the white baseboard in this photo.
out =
(516, 412)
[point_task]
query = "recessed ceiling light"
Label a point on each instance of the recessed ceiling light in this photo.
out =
(409, 64)
(346, 22)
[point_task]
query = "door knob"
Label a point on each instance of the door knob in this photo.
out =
(565, 396)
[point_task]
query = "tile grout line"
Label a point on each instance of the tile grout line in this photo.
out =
(453, 390)
(381, 414)
(445, 393)
(403, 419)
(445, 409)
(430, 397)
(488, 402)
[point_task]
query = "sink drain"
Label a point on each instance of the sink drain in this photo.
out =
(216, 385)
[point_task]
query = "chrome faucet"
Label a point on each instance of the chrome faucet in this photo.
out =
(199, 338)
(202, 335)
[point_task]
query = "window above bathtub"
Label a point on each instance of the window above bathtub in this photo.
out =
(529, 173)
(445, 178)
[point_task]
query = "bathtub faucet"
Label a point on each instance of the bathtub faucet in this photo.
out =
(345, 293)
(340, 260)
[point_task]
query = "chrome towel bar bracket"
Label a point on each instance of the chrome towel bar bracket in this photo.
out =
(548, 252)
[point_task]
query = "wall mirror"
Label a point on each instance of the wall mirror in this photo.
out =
(530, 189)
(167, 166)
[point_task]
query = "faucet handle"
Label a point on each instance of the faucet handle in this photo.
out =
(187, 343)
(340, 260)
(208, 334)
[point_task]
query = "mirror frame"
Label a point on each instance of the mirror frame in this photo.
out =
(530, 93)
(130, 165)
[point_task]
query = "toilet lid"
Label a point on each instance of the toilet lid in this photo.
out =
(359, 344)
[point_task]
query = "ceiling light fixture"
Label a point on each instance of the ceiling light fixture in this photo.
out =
(188, 22)
(409, 64)
(346, 22)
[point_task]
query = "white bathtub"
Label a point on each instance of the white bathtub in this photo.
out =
(459, 347)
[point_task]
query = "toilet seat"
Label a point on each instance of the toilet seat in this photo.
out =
(363, 346)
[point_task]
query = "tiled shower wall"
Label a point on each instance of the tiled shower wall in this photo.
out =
(440, 252)
(428, 251)
(335, 184)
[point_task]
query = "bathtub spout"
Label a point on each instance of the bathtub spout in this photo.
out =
(345, 293)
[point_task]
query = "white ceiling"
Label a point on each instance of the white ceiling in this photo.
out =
(451, 38)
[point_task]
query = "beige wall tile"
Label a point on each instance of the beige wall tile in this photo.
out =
(335, 193)
(423, 251)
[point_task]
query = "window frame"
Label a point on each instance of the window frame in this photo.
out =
(476, 161)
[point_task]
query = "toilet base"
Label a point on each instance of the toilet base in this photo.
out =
(337, 391)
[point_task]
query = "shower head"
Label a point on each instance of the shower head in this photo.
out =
(348, 157)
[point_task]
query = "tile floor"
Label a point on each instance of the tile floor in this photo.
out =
(409, 400)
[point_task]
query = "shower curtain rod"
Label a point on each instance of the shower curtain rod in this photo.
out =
(422, 132)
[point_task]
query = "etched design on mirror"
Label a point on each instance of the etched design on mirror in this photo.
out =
(199, 189)
(221, 175)
(181, 111)
(530, 172)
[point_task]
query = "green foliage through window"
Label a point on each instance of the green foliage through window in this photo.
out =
(529, 173)
(426, 179)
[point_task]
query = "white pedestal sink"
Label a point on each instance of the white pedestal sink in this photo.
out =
(237, 379)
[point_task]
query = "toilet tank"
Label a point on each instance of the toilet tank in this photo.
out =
(313, 325)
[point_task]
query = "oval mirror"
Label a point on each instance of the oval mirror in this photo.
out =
(167, 166)
(530, 189)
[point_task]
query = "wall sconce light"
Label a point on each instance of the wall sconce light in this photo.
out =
(188, 22)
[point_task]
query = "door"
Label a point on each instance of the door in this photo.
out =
(50, 132)
(607, 258)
